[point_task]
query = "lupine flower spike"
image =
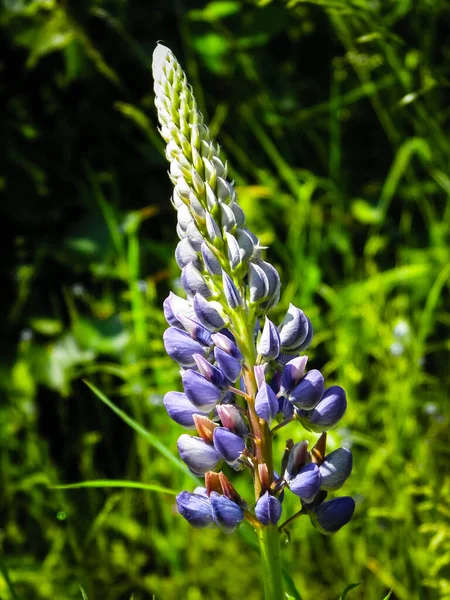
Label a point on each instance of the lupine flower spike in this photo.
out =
(241, 373)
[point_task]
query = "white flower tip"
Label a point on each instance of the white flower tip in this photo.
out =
(160, 55)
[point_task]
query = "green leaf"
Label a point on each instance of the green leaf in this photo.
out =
(290, 591)
(151, 439)
(347, 590)
(365, 213)
(388, 596)
(115, 483)
(83, 594)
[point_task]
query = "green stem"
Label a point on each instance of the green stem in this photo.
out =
(269, 544)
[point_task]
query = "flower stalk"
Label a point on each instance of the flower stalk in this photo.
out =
(240, 372)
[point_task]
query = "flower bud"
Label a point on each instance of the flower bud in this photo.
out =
(194, 235)
(307, 483)
(184, 216)
(193, 282)
(211, 198)
(234, 256)
(232, 295)
(268, 345)
(199, 456)
(268, 509)
(228, 444)
(293, 328)
(185, 253)
(212, 264)
(273, 292)
(213, 230)
(230, 366)
(292, 373)
(180, 409)
(238, 214)
(181, 347)
(207, 313)
(196, 509)
(335, 469)
(257, 282)
(227, 217)
(232, 419)
(328, 412)
(205, 428)
(330, 516)
(309, 391)
(247, 243)
(226, 513)
(224, 190)
(202, 393)
(266, 403)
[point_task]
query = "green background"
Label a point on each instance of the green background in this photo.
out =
(334, 118)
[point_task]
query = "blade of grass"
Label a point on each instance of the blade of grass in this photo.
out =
(114, 483)
(4, 572)
(152, 439)
(348, 589)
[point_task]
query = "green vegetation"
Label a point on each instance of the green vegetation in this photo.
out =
(334, 117)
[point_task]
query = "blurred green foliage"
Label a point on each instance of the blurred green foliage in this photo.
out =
(334, 116)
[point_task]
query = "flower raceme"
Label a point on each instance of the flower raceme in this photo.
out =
(240, 372)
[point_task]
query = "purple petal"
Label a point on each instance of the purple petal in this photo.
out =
(199, 456)
(201, 392)
(307, 483)
(232, 419)
(212, 373)
(212, 264)
(181, 347)
(229, 445)
(193, 282)
(174, 305)
(258, 283)
(309, 391)
(195, 329)
(226, 513)
(268, 509)
(296, 460)
(195, 508)
(224, 342)
(229, 365)
(266, 403)
(185, 254)
(335, 469)
(293, 329)
(232, 295)
(330, 516)
(208, 316)
(293, 372)
(180, 409)
(329, 411)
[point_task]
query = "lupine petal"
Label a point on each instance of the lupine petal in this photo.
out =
(199, 456)
(174, 305)
(330, 516)
(229, 445)
(232, 419)
(296, 460)
(212, 264)
(185, 253)
(226, 513)
(309, 391)
(225, 343)
(293, 372)
(229, 365)
(266, 403)
(329, 411)
(335, 469)
(196, 509)
(193, 282)
(232, 295)
(212, 373)
(180, 409)
(268, 509)
(201, 392)
(307, 483)
(207, 313)
(181, 347)
(195, 330)
(258, 283)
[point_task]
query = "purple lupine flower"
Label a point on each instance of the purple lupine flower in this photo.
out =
(306, 484)
(226, 513)
(269, 343)
(174, 305)
(328, 412)
(223, 341)
(268, 509)
(199, 456)
(195, 329)
(228, 444)
(196, 509)
(202, 393)
(210, 372)
(181, 347)
(266, 403)
(180, 409)
(193, 282)
(258, 283)
(298, 456)
(185, 254)
(309, 391)
(330, 516)
(230, 366)
(212, 265)
(335, 469)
